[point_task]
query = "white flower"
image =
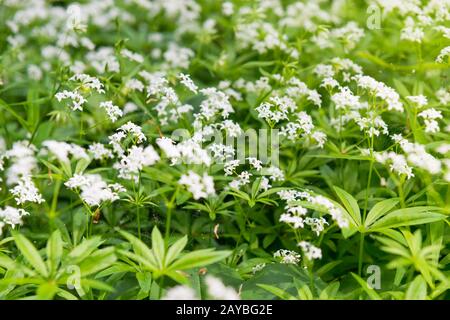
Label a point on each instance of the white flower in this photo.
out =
(89, 82)
(113, 111)
(12, 216)
(287, 256)
(26, 191)
(94, 190)
(311, 251)
(180, 293)
(233, 129)
(445, 53)
(430, 116)
(200, 187)
(168, 146)
(61, 150)
(276, 174)
(227, 8)
(22, 161)
(230, 166)
(138, 157)
(420, 101)
(132, 55)
(77, 99)
(75, 18)
(129, 107)
(317, 224)
(99, 152)
(255, 163)
(77, 181)
(103, 59)
(217, 290)
(411, 32)
(443, 96)
(345, 99)
(187, 81)
(134, 84)
(264, 185)
(319, 137)
(178, 57)
(188, 151)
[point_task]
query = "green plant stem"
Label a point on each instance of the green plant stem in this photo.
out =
(52, 212)
(401, 194)
(169, 217)
(137, 205)
(366, 203)
(361, 253)
(168, 221)
(138, 222)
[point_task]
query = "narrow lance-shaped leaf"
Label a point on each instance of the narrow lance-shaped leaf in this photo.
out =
(379, 210)
(350, 205)
(30, 253)
(406, 217)
(199, 258)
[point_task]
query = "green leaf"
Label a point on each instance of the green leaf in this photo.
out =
(158, 246)
(417, 289)
(6, 262)
(47, 291)
(199, 258)
(54, 251)
(276, 291)
(370, 292)
(379, 210)
(175, 250)
(99, 260)
(350, 205)
(406, 217)
(30, 253)
(84, 249)
(141, 250)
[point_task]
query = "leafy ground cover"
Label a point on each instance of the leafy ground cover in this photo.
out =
(190, 149)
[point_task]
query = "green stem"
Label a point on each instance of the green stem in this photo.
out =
(169, 217)
(52, 213)
(138, 222)
(401, 194)
(361, 253)
(168, 221)
(366, 202)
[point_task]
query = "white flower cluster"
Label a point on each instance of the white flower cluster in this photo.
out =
(113, 111)
(287, 256)
(77, 99)
(188, 151)
(11, 216)
(430, 116)
(131, 164)
(94, 190)
(215, 289)
(62, 150)
(381, 91)
(127, 130)
(199, 186)
(26, 191)
(22, 161)
(310, 251)
(445, 53)
(317, 225)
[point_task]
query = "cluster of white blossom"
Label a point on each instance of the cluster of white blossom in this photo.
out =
(199, 186)
(12, 217)
(293, 196)
(93, 189)
(216, 290)
(287, 256)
